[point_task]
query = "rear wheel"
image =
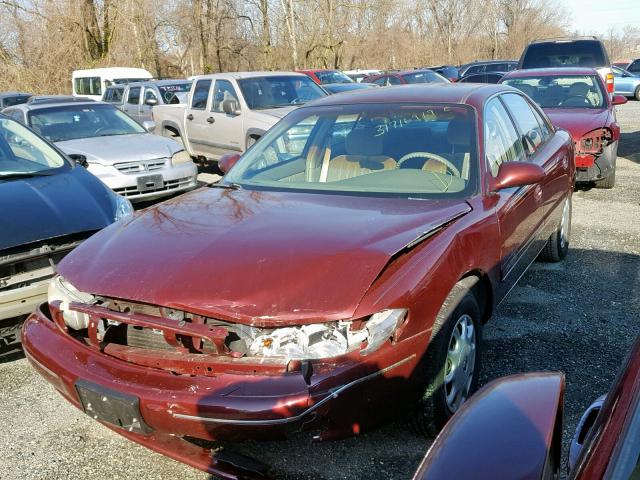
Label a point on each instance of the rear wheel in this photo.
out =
(557, 246)
(452, 362)
(637, 94)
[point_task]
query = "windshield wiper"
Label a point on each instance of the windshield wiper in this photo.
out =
(23, 174)
(228, 186)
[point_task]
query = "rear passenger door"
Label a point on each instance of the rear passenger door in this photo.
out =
(132, 103)
(198, 130)
(551, 154)
(519, 209)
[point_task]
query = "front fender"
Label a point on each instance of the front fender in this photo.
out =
(510, 429)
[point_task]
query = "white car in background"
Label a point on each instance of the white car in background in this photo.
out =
(113, 146)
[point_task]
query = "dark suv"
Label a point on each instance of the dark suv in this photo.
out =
(489, 66)
(569, 52)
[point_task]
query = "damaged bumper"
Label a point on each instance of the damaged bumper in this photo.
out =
(591, 167)
(223, 403)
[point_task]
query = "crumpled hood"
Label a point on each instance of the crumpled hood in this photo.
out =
(45, 207)
(121, 148)
(264, 258)
(578, 121)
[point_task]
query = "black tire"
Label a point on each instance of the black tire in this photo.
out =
(637, 94)
(432, 410)
(10, 336)
(609, 181)
(556, 248)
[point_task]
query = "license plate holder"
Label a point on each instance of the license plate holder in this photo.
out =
(115, 408)
(150, 182)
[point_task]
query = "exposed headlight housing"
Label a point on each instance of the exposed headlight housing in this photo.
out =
(124, 208)
(180, 157)
(316, 341)
(61, 290)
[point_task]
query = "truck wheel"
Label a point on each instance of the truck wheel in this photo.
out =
(608, 182)
(557, 246)
(451, 364)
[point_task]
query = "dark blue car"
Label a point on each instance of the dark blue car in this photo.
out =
(48, 205)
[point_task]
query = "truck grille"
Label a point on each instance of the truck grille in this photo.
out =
(133, 191)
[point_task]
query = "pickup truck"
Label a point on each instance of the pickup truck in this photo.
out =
(228, 112)
(139, 98)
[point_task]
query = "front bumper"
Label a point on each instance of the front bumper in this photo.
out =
(24, 300)
(175, 178)
(225, 405)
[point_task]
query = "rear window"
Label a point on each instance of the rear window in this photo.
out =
(426, 76)
(576, 53)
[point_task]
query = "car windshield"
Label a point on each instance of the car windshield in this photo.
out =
(426, 76)
(333, 76)
(401, 150)
(170, 91)
(562, 91)
(279, 91)
(70, 122)
(578, 53)
(22, 153)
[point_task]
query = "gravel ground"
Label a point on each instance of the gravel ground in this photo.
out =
(580, 317)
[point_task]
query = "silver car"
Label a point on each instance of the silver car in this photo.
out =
(114, 147)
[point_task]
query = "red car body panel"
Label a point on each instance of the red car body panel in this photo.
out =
(511, 429)
(287, 259)
(580, 121)
(313, 73)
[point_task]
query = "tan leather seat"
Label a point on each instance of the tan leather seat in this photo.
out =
(363, 155)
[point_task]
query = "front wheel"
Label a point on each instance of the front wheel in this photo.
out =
(452, 362)
(557, 246)
(637, 94)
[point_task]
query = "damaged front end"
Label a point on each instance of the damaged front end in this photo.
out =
(595, 154)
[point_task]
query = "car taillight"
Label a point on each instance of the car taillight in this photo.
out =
(594, 141)
(610, 88)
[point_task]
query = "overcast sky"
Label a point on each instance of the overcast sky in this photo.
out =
(598, 16)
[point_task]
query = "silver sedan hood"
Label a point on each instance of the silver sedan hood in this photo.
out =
(113, 149)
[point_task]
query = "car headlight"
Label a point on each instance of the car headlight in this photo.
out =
(180, 157)
(316, 341)
(61, 290)
(124, 208)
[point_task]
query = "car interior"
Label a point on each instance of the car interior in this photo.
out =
(429, 153)
(564, 92)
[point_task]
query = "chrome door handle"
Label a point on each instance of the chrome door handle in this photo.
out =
(211, 120)
(189, 117)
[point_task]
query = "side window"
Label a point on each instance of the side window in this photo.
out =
(222, 90)
(201, 94)
(108, 94)
(382, 81)
(634, 66)
(150, 94)
(16, 115)
(474, 69)
(523, 115)
(116, 94)
(501, 140)
(134, 96)
(394, 81)
(545, 131)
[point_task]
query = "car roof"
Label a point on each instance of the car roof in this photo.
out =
(547, 72)
(54, 104)
(566, 39)
(240, 75)
(416, 93)
(12, 94)
(158, 82)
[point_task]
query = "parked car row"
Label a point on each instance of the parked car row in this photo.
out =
(348, 260)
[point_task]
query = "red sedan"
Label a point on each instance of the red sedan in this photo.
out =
(512, 429)
(347, 262)
(326, 77)
(406, 77)
(576, 100)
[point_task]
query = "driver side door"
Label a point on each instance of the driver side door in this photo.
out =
(226, 127)
(132, 103)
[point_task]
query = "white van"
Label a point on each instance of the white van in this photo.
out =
(92, 83)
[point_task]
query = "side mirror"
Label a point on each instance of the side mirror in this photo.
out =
(231, 107)
(227, 161)
(619, 100)
(151, 101)
(517, 174)
(149, 125)
(79, 159)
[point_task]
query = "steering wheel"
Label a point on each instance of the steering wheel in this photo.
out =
(584, 100)
(431, 156)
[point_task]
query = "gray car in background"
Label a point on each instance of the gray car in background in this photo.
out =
(140, 97)
(114, 147)
(8, 99)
